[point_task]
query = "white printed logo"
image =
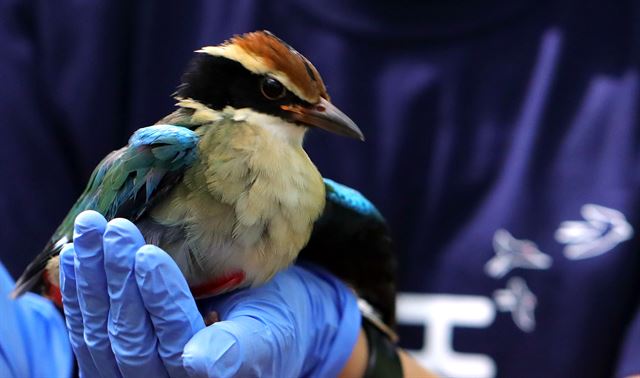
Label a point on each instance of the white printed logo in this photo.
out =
(602, 230)
(512, 253)
(520, 301)
(440, 314)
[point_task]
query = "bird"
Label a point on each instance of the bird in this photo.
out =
(223, 183)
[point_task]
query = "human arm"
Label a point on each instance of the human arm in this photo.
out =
(357, 364)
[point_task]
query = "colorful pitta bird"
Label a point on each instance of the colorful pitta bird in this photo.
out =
(222, 184)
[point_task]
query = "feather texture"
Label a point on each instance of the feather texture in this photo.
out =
(125, 184)
(352, 240)
(250, 201)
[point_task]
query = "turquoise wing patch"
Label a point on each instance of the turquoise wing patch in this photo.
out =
(350, 198)
(128, 180)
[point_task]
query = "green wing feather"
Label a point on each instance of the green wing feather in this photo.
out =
(125, 184)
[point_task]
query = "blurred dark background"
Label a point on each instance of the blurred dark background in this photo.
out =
(478, 116)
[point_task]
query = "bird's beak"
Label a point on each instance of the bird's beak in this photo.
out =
(325, 116)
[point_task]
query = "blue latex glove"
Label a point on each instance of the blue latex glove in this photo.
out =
(129, 310)
(33, 338)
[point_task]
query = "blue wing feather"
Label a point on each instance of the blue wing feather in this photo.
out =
(125, 184)
(350, 198)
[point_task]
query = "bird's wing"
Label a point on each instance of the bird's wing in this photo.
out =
(125, 184)
(351, 239)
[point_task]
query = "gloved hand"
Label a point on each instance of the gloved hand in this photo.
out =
(129, 311)
(33, 338)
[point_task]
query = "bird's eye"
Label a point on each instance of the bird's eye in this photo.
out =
(272, 88)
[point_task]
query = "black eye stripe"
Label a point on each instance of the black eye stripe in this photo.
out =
(217, 82)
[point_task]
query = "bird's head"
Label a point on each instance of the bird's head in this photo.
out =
(261, 73)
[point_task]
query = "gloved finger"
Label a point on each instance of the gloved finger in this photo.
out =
(260, 335)
(171, 306)
(91, 286)
(242, 348)
(131, 332)
(72, 313)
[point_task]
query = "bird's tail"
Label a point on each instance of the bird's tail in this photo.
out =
(25, 284)
(34, 277)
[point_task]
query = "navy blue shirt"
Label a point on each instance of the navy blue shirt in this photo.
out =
(502, 145)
